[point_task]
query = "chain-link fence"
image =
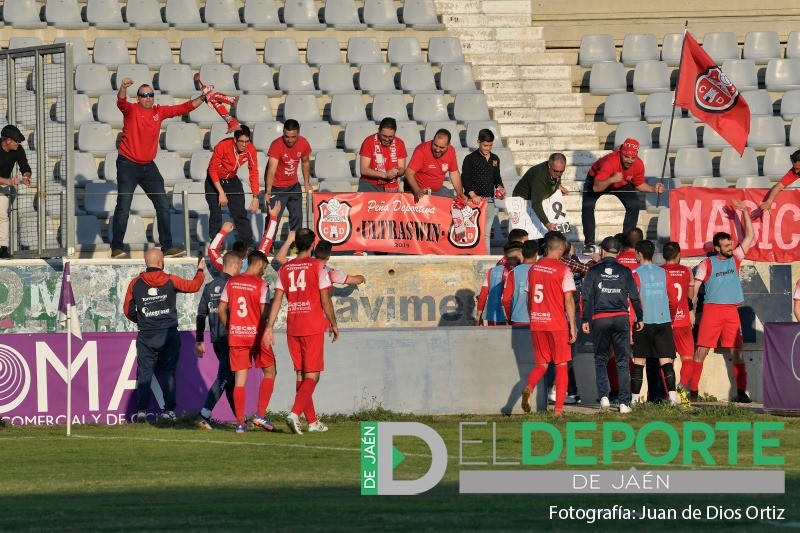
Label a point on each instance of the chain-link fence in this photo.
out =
(36, 93)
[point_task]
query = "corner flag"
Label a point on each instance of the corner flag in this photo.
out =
(66, 304)
(711, 96)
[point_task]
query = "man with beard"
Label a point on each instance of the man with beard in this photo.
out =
(382, 159)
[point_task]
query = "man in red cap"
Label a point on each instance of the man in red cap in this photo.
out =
(620, 173)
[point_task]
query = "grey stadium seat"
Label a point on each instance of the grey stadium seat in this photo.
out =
(622, 107)
(635, 130)
(170, 166)
(721, 46)
(777, 161)
(335, 79)
(508, 169)
(323, 51)
(470, 106)
(444, 50)
(653, 159)
(658, 107)
(782, 75)
(761, 46)
(252, 108)
(742, 73)
(96, 139)
(759, 102)
(693, 163)
(198, 165)
(753, 182)
(607, 78)
(176, 80)
(429, 106)
(87, 232)
(363, 50)
(220, 76)
(347, 108)
(296, 79)
(417, 77)
(23, 42)
(204, 116)
(184, 15)
(421, 15)
(110, 167)
(100, 199)
(85, 169)
(197, 202)
(408, 131)
(22, 14)
(262, 15)
(793, 45)
(713, 140)
(794, 133)
(145, 15)
(684, 134)
(153, 52)
(281, 51)
(790, 104)
(474, 127)
(765, 132)
(80, 52)
(457, 78)
(389, 105)
(343, 16)
(376, 78)
(302, 15)
(638, 47)
(266, 132)
(431, 127)
(64, 14)
(197, 51)
(183, 138)
(223, 15)
(381, 15)
(655, 202)
(176, 228)
(404, 50)
(332, 165)
(238, 51)
(662, 226)
(108, 112)
(218, 132)
(140, 75)
(105, 15)
(596, 48)
(356, 132)
(301, 107)
(81, 110)
(318, 135)
(671, 48)
(651, 77)
(256, 79)
(731, 165)
(335, 186)
(111, 51)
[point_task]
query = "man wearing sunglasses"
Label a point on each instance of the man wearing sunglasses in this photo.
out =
(540, 182)
(141, 128)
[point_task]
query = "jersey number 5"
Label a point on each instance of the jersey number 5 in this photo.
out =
(300, 283)
(538, 293)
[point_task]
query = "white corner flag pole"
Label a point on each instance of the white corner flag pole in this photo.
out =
(69, 361)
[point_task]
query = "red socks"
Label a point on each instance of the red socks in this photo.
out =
(740, 375)
(303, 397)
(264, 394)
(310, 412)
(687, 368)
(696, 373)
(561, 388)
(535, 375)
(238, 404)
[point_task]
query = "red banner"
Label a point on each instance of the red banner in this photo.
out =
(697, 213)
(394, 222)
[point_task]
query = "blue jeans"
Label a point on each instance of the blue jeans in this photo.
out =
(156, 351)
(291, 198)
(129, 176)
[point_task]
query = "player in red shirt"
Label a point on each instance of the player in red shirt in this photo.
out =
(305, 283)
(286, 154)
(550, 300)
(621, 174)
(680, 291)
(788, 178)
(242, 310)
(382, 159)
(240, 247)
(429, 164)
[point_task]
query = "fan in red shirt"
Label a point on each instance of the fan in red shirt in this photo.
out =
(790, 177)
(552, 313)
(429, 164)
(287, 154)
(621, 174)
(382, 159)
(305, 283)
(242, 311)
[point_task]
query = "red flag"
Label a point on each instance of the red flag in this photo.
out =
(711, 96)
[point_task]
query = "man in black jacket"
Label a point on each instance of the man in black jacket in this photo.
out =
(605, 293)
(11, 154)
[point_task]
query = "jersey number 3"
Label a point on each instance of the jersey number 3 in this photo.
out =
(242, 311)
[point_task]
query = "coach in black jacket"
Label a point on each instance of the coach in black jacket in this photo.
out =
(605, 293)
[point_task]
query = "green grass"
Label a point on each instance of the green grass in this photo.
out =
(160, 477)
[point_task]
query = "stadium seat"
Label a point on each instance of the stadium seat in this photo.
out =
(23, 42)
(302, 15)
(607, 78)
(713, 140)
(166, 99)
(22, 15)
(96, 139)
(302, 108)
(421, 15)
(220, 76)
(197, 198)
(336, 79)
(655, 202)
(731, 165)
(25, 109)
(197, 51)
(759, 102)
(653, 159)
(790, 104)
(110, 167)
(105, 15)
(335, 186)
(85, 169)
(253, 108)
(153, 52)
(296, 79)
(110, 51)
(508, 169)
(417, 77)
(184, 15)
(323, 51)
(777, 161)
(140, 75)
(753, 182)
(429, 106)
(198, 165)
(761, 46)
(444, 50)
(342, 15)
(793, 45)
(176, 80)
(638, 47)
(81, 110)
(244, 172)
(659, 107)
(432, 126)
(635, 130)
(404, 50)
(684, 134)
(782, 75)
(171, 167)
(223, 15)
(281, 51)
(457, 78)
(204, 116)
(108, 112)
(721, 46)
(356, 132)
(381, 15)
(389, 105)
(595, 49)
(262, 15)
(145, 15)
(80, 52)
(794, 132)
(64, 15)
(622, 107)
(693, 163)
(742, 72)
(218, 132)
(201, 228)
(347, 108)
(375, 78)
(256, 79)
(332, 165)
(470, 106)
(662, 226)
(474, 127)
(87, 232)
(651, 77)
(408, 131)
(364, 50)
(183, 138)
(671, 48)
(176, 230)
(266, 132)
(100, 199)
(765, 132)
(238, 51)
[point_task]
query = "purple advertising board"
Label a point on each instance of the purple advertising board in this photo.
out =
(33, 379)
(782, 366)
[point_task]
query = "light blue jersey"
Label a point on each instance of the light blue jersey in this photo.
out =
(494, 302)
(653, 293)
(519, 301)
(721, 277)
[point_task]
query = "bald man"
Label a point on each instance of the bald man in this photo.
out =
(151, 303)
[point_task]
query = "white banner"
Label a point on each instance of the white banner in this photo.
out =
(521, 215)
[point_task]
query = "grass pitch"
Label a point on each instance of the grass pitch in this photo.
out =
(174, 476)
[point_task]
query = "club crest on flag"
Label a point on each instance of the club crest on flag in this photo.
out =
(714, 91)
(471, 232)
(334, 221)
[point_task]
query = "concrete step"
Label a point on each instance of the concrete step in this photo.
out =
(547, 72)
(466, 20)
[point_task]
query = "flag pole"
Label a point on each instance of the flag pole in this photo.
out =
(69, 359)
(672, 115)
